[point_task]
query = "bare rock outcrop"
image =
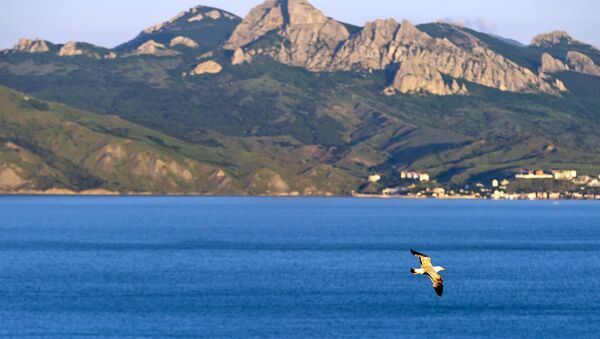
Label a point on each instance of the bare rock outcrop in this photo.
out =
(552, 39)
(240, 57)
(108, 158)
(152, 47)
(166, 170)
(261, 20)
(214, 14)
(207, 67)
(269, 182)
(478, 64)
(582, 63)
(196, 18)
(9, 178)
(72, 48)
(309, 39)
(367, 49)
(31, 46)
(184, 41)
(418, 77)
(195, 14)
(560, 85)
(155, 28)
(551, 65)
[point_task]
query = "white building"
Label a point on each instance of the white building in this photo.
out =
(374, 178)
(534, 175)
(564, 175)
(390, 191)
(419, 176)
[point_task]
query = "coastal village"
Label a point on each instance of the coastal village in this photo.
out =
(526, 185)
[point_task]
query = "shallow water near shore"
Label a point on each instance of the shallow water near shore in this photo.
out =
(295, 267)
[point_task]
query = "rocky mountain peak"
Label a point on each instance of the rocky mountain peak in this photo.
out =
(293, 18)
(552, 39)
(409, 34)
(262, 19)
(309, 38)
(194, 14)
(31, 46)
(301, 12)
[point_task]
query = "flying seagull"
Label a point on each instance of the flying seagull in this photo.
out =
(431, 271)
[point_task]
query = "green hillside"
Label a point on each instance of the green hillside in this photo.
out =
(47, 146)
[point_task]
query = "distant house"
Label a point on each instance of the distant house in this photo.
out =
(439, 192)
(495, 183)
(390, 191)
(564, 175)
(582, 180)
(539, 174)
(374, 178)
(554, 196)
(418, 176)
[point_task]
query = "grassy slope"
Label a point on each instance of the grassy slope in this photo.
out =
(55, 146)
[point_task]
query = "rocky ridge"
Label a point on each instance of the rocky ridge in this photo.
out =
(152, 47)
(313, 41)
(575, 61)
(582, 63)
(194, 14)
(31, 46)
(73, 48)
(550, 39)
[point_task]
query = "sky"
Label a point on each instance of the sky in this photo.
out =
(109, 23)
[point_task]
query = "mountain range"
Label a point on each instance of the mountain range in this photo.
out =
(288, 101)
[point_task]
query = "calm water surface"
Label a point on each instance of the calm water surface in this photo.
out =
(260, 267)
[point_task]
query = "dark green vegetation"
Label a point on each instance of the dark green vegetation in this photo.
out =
(271, 128)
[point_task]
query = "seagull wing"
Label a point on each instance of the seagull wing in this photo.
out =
(425, 259)
(438, 282)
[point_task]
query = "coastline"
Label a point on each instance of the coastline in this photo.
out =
(353, 195)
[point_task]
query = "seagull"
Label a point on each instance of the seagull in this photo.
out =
(431, 271)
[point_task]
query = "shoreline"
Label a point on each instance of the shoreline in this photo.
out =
(103, 193)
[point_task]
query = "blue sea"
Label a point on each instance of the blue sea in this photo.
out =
(184, 267)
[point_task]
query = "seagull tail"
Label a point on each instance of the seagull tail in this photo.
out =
(416, 271)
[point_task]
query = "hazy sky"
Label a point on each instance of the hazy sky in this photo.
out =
(111, 22)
